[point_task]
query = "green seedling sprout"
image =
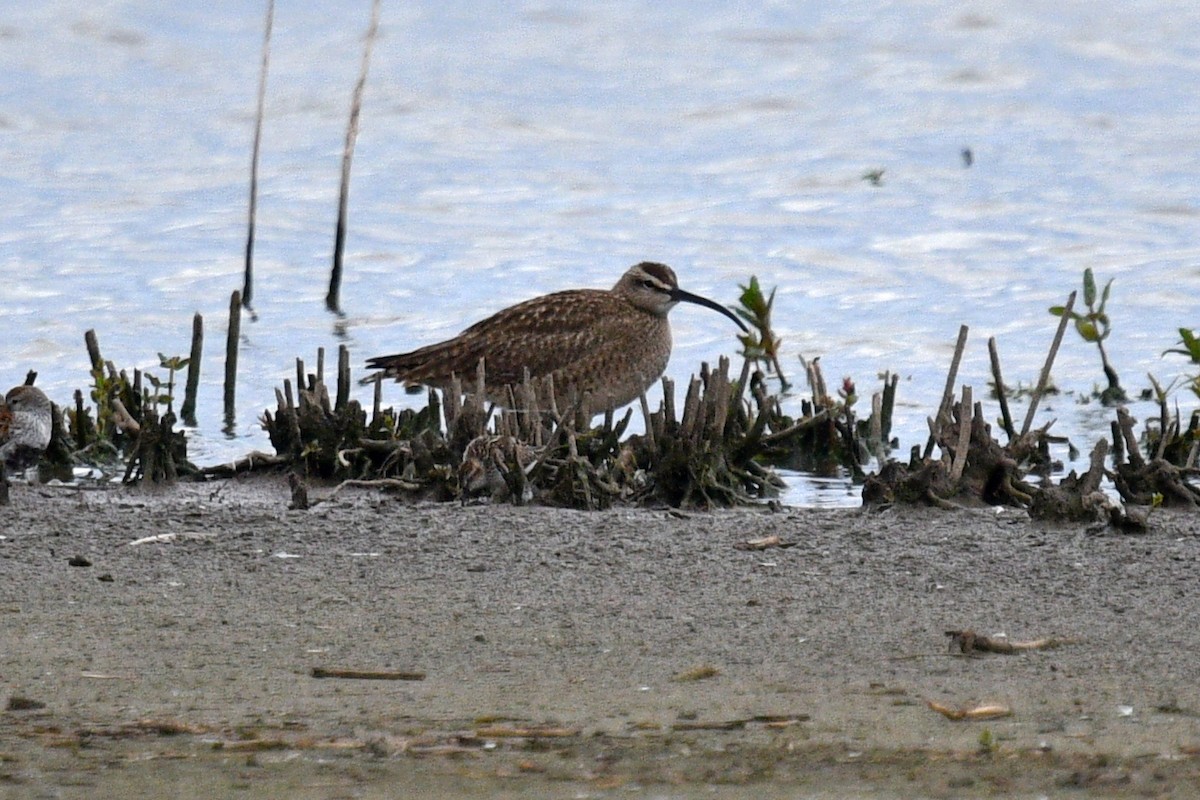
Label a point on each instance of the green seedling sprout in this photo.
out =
(1190, 347)
(172, 364)
(761, 343)
(1094, 326)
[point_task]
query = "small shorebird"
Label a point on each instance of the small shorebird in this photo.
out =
(610, 344)
(24, 428)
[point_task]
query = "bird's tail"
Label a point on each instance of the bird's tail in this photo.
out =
(382, 369)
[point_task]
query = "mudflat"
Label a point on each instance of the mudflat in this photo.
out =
(168, 643)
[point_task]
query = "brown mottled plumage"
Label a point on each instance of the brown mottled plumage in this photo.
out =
(612, 344)
(25, 422)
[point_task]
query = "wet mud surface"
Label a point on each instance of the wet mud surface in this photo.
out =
(566, 654)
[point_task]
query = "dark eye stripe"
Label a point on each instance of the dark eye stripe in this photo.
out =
(660, 272)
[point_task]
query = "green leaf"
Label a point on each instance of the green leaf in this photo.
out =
(1191, 346)
(752, 297)
(1191, 342)
(1057, 310)
(172, 362)
(1104, 297)
(1089, 288)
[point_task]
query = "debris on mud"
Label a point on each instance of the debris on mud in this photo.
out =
(968, 642)
(368, 675)
(763, 543)
(973, 713)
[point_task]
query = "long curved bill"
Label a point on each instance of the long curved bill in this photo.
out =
(679, 295)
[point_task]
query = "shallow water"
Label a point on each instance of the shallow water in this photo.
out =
(509, 151)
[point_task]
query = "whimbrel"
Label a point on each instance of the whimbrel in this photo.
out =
(610, 344)
(25, 422)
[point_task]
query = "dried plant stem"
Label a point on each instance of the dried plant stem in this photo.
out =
(1044, 377)
(1125, 423)
(368, 675)
(231, 357)
(943, 413)
(965, 419)
(252, 211)
(378, 397)
(332, 299)
(93, 348)
(192, 386)
(343, 378)
(1001, 392)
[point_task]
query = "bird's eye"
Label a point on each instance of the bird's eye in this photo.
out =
(649, 284)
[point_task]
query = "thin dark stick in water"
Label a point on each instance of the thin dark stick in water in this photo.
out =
(332, 301)
(231, 357)
(93, 348)
(1001, 393)
(343, 378)
(252, 213)
(889, 404)
(188, 411)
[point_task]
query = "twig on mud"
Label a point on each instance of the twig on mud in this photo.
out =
(104, 676)
(700, 673)
(179, 536)
(367, 675)
(531, 732)
(250, 463)
(377, 483)
(167, 727)
(980, 712)
(729, 725)
(763, 543)
(969, 642)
